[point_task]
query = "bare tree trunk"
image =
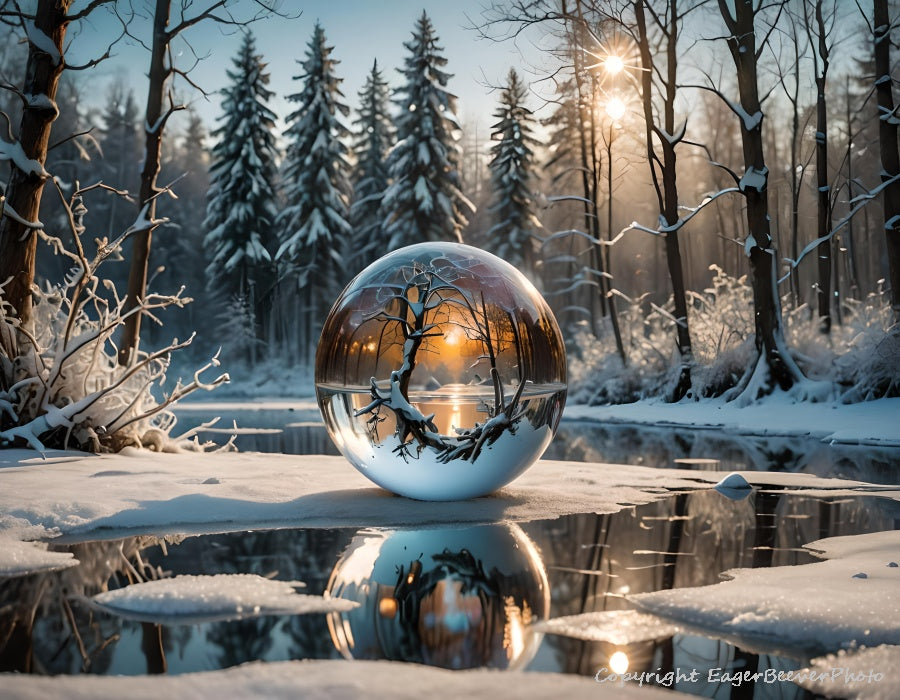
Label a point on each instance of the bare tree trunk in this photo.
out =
(18, 242)
(668, 192)
(825, 248)
(852, 268)
(887, 136)
(154, 124)
(795, 176)
(779, 367)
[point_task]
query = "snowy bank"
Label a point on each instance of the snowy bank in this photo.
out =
(866, 674)
(327, 680)
(849, 599)
(86, 496)
(868, 423)
(190, 600)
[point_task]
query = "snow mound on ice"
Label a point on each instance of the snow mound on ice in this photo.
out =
(853, 674)
(619, 627)
(823, 606)
(196, 599)
(19, 558)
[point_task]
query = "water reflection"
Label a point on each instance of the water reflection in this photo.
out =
(472, 594)
(455, 598)
(301, 432)
(714, 450)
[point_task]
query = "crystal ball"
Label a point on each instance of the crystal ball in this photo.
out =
(441, 372)
(455, 598)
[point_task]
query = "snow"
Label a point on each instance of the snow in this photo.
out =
(618, 627)
(41, 41)
(734, 487)
(754, 179)
(821, 606)
(188, 600)
(867, 423)
(328, 680)
(24, 558)
(855, 674)
(15, 153)
(181, 493)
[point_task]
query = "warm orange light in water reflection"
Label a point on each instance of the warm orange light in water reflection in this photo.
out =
(618, 662)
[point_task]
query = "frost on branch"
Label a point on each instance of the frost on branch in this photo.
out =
(60, 382)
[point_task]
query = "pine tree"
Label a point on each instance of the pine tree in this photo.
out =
(512, 237)
(120, 167)
(374, 136)
(179, 242)
(241, 204)
(314, 225)
(424, 201)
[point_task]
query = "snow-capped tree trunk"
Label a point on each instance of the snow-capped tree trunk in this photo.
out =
(774, 365)
(823, 204)
(18, 239)
(153, 128)
(666, 181)
(887, 136)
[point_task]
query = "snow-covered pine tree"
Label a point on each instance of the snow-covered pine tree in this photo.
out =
(513, 235)
(314, 225)
(424, 201)
(241, 205)
(373, 137)
(120, 166)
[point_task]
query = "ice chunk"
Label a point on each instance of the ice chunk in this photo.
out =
(196, 599)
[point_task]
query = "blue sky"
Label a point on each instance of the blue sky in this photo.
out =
(359, 30)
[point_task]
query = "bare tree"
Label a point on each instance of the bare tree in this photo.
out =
(887, 136)
(161, 105)
(819, 33)
(45, 30)
(774, 366)
(662, 140)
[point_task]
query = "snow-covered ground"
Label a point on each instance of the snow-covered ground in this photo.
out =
(850, 599)
(329, 680)
(869, 423)
(142, 492)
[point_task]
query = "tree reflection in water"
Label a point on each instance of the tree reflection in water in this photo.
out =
(450, 597)
(455, 598)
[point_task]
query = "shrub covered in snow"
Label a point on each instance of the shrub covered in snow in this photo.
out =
(858, 358)
(61, 385)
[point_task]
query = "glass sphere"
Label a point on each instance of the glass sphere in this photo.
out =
(440, 373)
(454, 598)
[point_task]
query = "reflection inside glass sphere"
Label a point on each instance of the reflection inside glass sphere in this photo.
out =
(441, 372)
(455, 598)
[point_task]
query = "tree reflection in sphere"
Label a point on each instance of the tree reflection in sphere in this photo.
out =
(454, 598)
(441, 372)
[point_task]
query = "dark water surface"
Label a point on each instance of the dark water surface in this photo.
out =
(464, 597)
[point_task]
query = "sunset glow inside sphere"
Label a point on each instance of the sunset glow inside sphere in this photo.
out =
(441, 372)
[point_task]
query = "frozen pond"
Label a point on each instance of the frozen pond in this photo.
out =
(453, 597)
(299, 430)
(456, 597)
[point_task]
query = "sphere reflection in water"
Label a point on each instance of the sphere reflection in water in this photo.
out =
(440, 373)
(455, 598)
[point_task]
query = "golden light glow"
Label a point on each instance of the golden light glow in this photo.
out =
(615, 108)
(618, 663)
(387, 607)
(514, 630)
(614, 64)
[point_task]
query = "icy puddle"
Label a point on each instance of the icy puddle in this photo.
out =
(580, 594)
